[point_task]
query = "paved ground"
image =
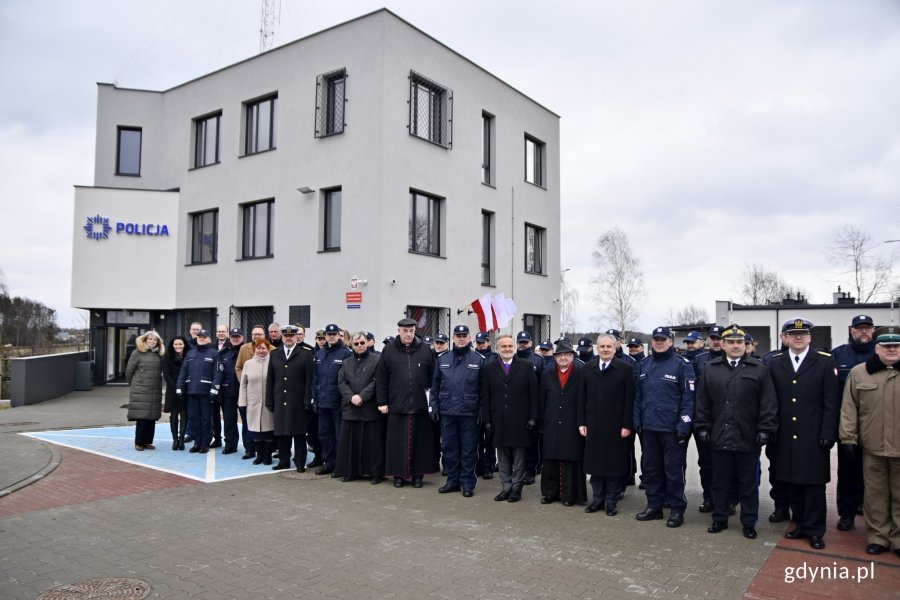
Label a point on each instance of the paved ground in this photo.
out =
(290, 535)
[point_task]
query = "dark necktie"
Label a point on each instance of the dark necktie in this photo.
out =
(603, 367)
(734, 364)
(797, 359)
(505, 368)
(287, 353)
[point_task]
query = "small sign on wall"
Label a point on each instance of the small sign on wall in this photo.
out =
(354, 300)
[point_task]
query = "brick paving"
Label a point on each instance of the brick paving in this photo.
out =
(289, 535)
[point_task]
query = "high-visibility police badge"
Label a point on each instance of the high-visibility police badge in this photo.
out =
(690, 383)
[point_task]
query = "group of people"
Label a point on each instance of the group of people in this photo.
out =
(420, 406)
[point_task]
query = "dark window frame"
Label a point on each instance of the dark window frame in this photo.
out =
(431, 245)
(537, 162)
(487, 148)
(537, 256)
(197, 233)
(251, 125)
(120, 129)
(430, 111)
(331, 103)
(328, 244)
(201, 139)
(487, 248)
(249, 230)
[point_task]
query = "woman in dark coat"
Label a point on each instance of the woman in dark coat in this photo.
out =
(175, 406)
(605, 418)
(363, 427)
(562, 474)
(144, 374)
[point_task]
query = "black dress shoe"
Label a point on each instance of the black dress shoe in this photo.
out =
(229, 450)
(281, 466)
(611, 511)
(706, 507)
(315, 462)
(750, 533)
(816, 542)
(195, 448)
(175, 445)
(594, 507)
(717, 527)
(641, 486)
(567, 503)
(398, 482)
(248, 455)
(203, 449)
(795, 534)
(188, 438)
(216, 443)
(504, 495)
(514, 496)
(347, 478)
(301, 469)
(529, 480)
(779, 516)
(676, 519)
(468, 493)
(259, 460)
(324, 470)
(875, 549)
(547, 500)
(846, 523)
(649, 514)
(488, 475)
(417, 482)
(376, 480)
(447, 488)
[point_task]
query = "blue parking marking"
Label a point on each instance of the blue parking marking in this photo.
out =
(118, 443)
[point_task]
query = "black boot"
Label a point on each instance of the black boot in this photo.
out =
(260, 451)
(173, 427)
(267, 453)
(182, 426)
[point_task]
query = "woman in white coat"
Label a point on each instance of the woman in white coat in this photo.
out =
(260, 420)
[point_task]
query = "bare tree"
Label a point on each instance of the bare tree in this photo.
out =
(868, 268)
(689, 315)
(762, 286)
(568, 298)
(619, 282)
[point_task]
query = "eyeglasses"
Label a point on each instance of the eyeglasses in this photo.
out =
(363, 343)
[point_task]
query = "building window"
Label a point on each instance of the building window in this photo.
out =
(258, 219)
(300, 315)
(487, 247)
(259, 125)
(332, 220)
(205, 237)
(128, 151)
(331, 99)
(538, 326)
(534, 161)
(534, 249)
(430, 110)
(487, 148)
(424, 223)
(430, 320)
(206, 140)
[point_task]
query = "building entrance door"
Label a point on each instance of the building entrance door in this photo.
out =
(120, 343)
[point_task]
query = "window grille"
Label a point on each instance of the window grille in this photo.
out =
(430, 110)
(331, 100)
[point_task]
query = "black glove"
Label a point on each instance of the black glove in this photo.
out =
(214, 396)
(850, 449)
(531, 425)
(312, 407)
(435, 416)
(826, 445)
(180, 396)
(703, 435)
(682, 437)
(762, 438)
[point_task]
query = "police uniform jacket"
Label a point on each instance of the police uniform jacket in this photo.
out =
(509, 401)
(329, 360)
(808, 411)
(403, 376)
(487, 353)
(197, 371)
(537, 361)
(664, 398)
(702, 359)
(849, 355)
(357, 376)
(622, 355)
(734, 404)
(607, 407)
(870, 412)
(456, 387)
(225, 380)
(289, 389)
(559, 414)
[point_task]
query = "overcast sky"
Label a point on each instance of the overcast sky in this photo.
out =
(714, 133)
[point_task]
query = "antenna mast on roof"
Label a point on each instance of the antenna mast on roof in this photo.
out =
(268, 18)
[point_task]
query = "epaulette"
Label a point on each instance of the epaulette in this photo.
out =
(683, 358)
(823, 353)
(304, 347)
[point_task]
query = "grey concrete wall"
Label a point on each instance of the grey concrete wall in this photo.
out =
(39, 378)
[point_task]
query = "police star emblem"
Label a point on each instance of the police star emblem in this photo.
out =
(97, 228)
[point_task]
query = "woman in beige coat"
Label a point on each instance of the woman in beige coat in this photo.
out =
(260, 420)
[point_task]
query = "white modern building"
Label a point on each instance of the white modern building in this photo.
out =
(358, 175)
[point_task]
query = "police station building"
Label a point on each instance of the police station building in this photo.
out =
(356, 176)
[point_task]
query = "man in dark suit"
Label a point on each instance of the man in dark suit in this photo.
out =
(806, 385)
(289, 396)
(509, 401)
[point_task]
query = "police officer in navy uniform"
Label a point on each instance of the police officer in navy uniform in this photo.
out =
(545, 351)
(850, 487)
(620, 354)
(487, 454)
(328, 360)
(440, 344)
(736, 415)
(227, 386)
(455, 403)
(195, 381)
(664, 412)
(694, 347)
(809, 407)
(636, 349)
(585, 349)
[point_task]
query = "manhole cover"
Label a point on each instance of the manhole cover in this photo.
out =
(19, 424)
(120, 588)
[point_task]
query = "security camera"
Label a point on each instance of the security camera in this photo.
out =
(393, 282)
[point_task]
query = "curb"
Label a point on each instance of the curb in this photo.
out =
(55, 459)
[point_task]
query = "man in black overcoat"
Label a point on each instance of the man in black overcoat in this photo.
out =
(806, 385)
(509, 402)
(289, 396)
